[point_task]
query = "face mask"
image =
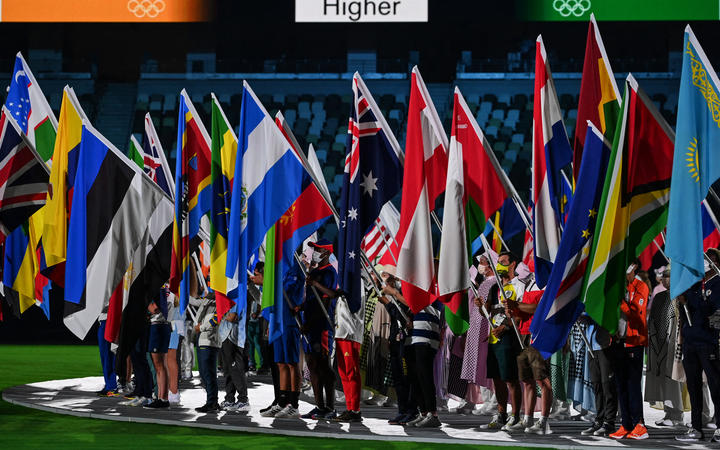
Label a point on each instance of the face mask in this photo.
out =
(502, 269)
(317, 257)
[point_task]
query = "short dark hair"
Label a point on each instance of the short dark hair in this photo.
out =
(260, 267)
(511, 256)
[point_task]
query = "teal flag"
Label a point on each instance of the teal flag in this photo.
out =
(696, 164)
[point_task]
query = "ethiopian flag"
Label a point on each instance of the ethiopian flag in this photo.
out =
(222, 169)
(475, 189)
(599, 95)
(634, 204)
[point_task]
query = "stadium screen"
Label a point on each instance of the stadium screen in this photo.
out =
(106, 10)
(619, 10)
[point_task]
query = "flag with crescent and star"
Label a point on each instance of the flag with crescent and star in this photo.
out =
(373, 176)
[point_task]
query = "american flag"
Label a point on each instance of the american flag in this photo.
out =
(373, 176)
(381, 236)
(23, 176)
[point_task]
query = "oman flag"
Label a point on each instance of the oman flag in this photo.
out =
(424, 180)
(476, 187)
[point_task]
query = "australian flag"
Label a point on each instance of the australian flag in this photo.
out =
(373, 176)
(560, 305)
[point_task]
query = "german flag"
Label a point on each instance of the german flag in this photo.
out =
(599, 95)
(634, 205)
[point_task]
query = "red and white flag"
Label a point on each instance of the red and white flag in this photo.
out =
(424, 180)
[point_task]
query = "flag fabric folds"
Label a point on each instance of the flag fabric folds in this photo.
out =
(551, 153)
(633, 209)
(28, 105)
(560, 304)
(695, 165)
(224, 152)
(424, 175)
(113, 202)
(599, 100)
(193, 194)
(710, 227)
(155, 162)
(475, 189)
(267, 182)
(135, 153)
(372, 177)
(64, 164)
(379, 244)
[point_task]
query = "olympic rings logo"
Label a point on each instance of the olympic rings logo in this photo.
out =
(146, 8)
(576, 8)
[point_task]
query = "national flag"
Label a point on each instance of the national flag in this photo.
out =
(424, 175)
(476, 188)
(372, 177)
(551, 154)
(599, 100)
(266, 183)
(224, 154)
(23, 191)
(695, 166)
(380, 244)
(156, 164)
(29, 107)
(62, 176)
(193, 194)
(560, 305)
(113, 203)
(633, 209)
(646, 256)
(135, 153)
(316, 172)
(508, 222)
(710, 226)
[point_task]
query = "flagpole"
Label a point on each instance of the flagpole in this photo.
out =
(502, 241)
(317, 295)
(499, 283)
(297, 321)
(368, 266)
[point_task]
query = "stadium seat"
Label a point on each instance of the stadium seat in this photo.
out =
(492, 130)
(518, 138)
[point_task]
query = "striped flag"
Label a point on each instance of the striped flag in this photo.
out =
(634, 204)
(551, 153)
(599, 100)
(383, 232)
(224, 153)
(193, 194)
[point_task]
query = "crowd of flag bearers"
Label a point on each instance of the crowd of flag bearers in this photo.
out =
(220, 259)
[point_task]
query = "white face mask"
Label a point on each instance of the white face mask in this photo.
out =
(317, 257)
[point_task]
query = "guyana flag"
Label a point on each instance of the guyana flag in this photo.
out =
(634, 205)
(475, 189)
(222, 170)
(599, 96)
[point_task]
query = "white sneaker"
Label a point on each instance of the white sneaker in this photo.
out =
(541, 427)
(139, 401)
(174, 399)
(227, 406)
(519, 425)
(272, 411)
(288, 412)
(241, 406)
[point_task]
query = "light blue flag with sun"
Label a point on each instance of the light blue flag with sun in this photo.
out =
(696, 164)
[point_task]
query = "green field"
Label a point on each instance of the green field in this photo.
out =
(23, 427)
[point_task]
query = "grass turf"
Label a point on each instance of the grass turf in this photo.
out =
(29, 428)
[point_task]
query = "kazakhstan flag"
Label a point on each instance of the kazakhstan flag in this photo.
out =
(696, 164)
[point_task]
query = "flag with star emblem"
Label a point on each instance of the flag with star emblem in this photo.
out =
(155, 162)
(551, 153)
(193, 194)
(599, 100)
(267, 181)
(373, 176)
(29, 107)
(695, 166)
(224, 151)
(560, 304)
(633, 209)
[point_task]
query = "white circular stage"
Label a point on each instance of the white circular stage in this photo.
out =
(77, 397)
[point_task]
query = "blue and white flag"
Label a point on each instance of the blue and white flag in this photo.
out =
(560, 305)
(696, 164)
(156, 164)
(373, 176)
(268, 179)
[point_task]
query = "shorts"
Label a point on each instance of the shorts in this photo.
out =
(286, 348)
(532, 366)
(174, 340)
(159, 339)
(502, 358)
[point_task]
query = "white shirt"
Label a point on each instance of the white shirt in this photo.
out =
(349, 326)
